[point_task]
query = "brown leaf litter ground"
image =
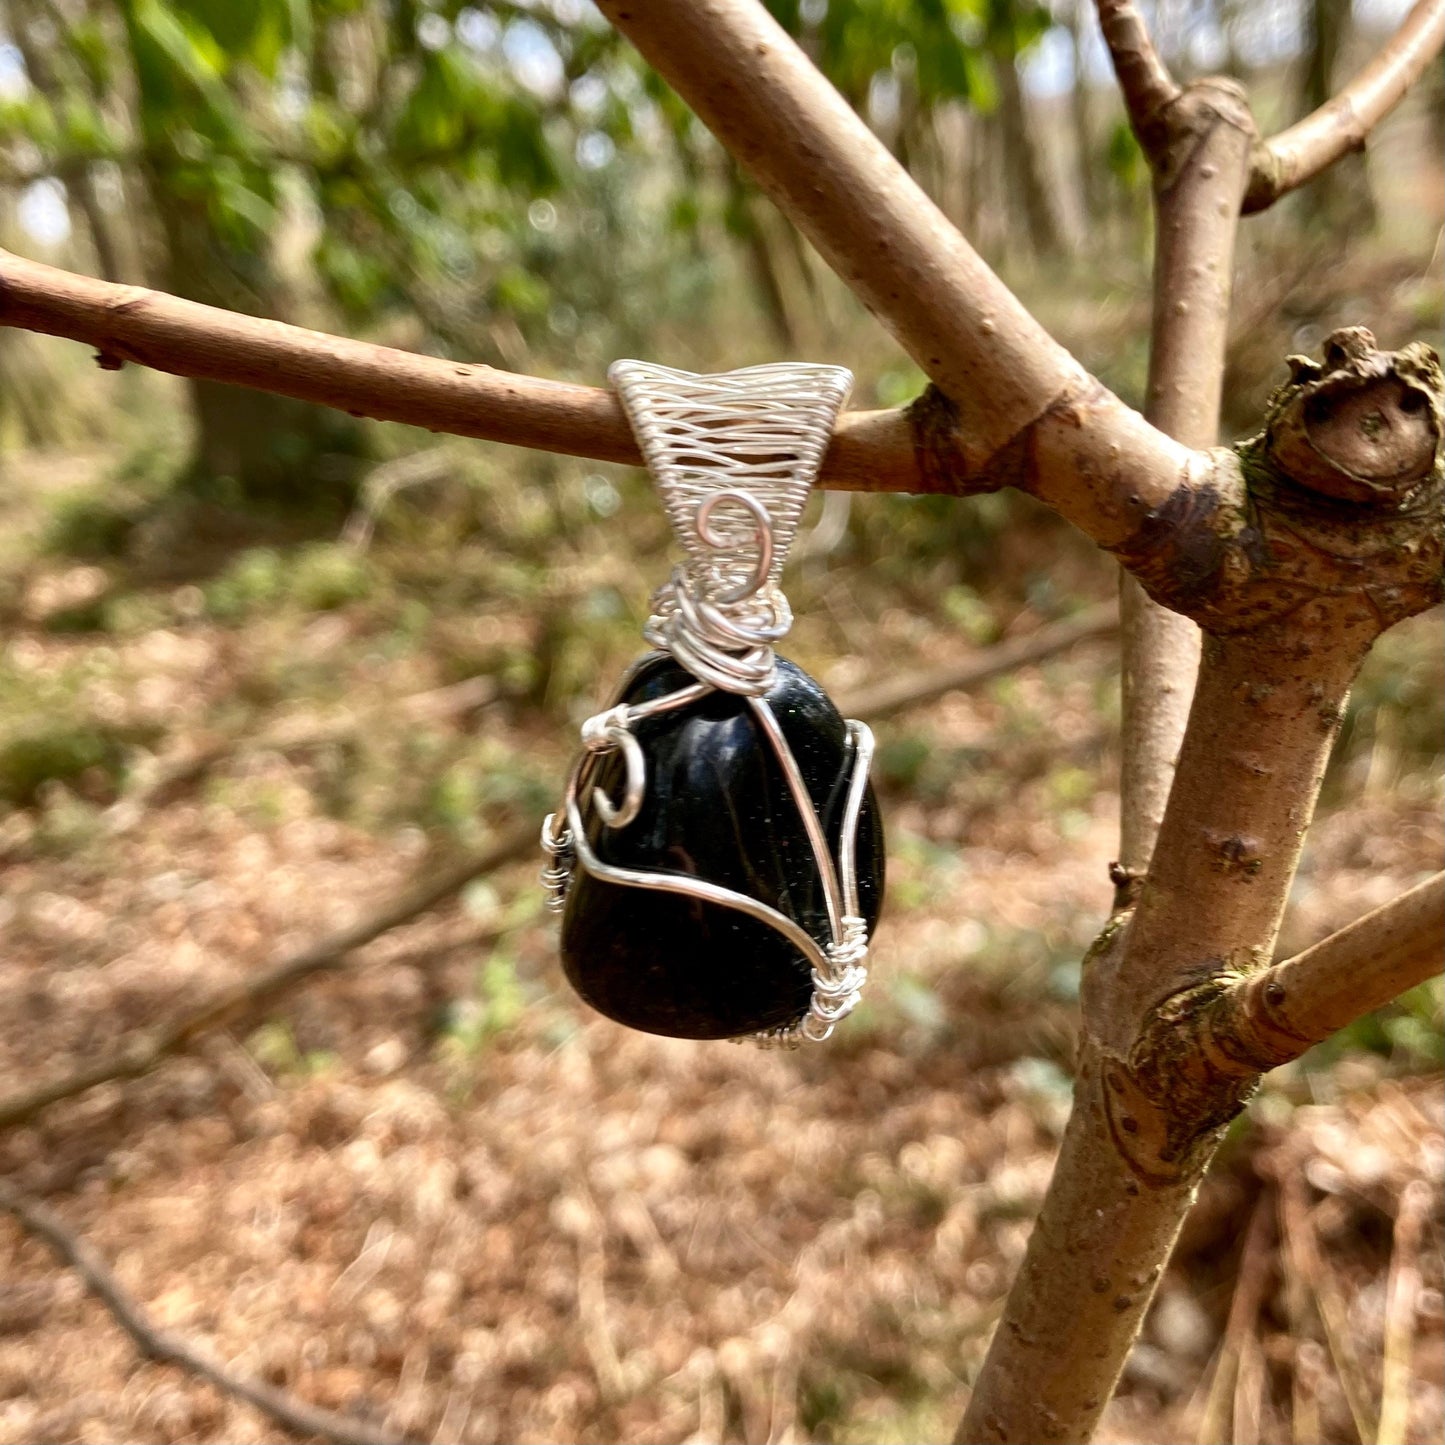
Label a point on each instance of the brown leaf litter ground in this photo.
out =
(436, 1190)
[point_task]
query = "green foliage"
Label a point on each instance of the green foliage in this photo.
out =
(1124, 158)
(498, 1000)
(54, 753)
(420, 137)
(315, 578)
(49, 732)
(274, 1047)
(492, 173)
(91, 526)
(936, 50)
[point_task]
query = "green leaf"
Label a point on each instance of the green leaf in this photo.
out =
(520, 292)
(1123, 156)
(178, 63)
(257, 30)
(90, 47)
(83, 129)
(328, 130)
(189, 48)
(356, 278)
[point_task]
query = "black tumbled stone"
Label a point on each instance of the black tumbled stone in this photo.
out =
(716, 807)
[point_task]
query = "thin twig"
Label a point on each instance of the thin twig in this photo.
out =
(1217, 1426)
(1144, 79)
(143, 1051)
(592, 1308)
(870, 451)
(895, 694)
(1302, 1250)
(1275, 1015)
(1294, 156)
(1401, 1299)
(168, 1348)
(412, 469)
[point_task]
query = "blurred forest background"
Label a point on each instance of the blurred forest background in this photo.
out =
(262, 664)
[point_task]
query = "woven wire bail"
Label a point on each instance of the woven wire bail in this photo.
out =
(762, 431)
(733, 457)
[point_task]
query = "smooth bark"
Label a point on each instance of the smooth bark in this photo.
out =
(1200, 142)
(1076, 1307)
(1144, 80)
(1270, 1017)
(1287, 160)
(1150, 1098)
(871, 451)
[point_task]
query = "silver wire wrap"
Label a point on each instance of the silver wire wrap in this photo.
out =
(733, 457)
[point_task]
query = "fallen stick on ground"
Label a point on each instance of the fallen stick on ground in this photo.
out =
(897, 693)
(141, 1053)
(1222, 1407)
(385, 481)
(146, 1049)
(292, 735)
(474, 693)
(1402, 1298)
(1301, 1254)
(167, 1348)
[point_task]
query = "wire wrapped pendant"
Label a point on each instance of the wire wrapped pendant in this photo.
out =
(718, 856)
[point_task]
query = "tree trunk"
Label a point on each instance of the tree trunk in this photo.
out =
(747, 225)
(1342, 198)
(1024, 161)
(249, 447)
(1293, 551)
(1086, 151)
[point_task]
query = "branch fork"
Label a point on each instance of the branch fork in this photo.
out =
(1336, 531)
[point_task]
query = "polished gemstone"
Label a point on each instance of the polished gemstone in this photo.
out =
(716, 807)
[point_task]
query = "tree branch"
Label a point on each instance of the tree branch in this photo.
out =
(1144, 80)
(142, 1052)
(870, 451)
(185, 768)
(1294, 156)
(1018, 409)
(1199, 153)
(1276, 1014)
(1146, 1114)
(167, 1348)
(1067, 1329)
